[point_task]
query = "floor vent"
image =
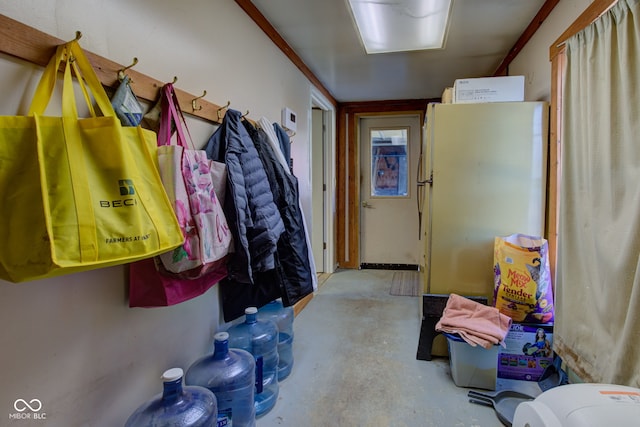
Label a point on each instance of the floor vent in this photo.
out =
(407, 267)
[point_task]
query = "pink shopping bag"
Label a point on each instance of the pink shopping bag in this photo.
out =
(188, 178)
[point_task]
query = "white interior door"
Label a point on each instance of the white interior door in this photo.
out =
(318, 189)
(389, 152)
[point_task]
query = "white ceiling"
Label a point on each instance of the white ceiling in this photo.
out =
(322, 33)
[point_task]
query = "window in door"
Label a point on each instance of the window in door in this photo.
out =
(389, 170)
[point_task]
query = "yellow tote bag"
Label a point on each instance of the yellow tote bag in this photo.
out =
(78, 193)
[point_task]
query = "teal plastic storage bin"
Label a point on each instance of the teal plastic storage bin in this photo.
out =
(474, 367)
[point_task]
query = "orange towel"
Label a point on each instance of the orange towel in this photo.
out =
(476, 323)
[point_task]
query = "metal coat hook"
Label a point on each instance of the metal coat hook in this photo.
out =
(71, 58)
(245, 115)
(122, 70)
(193, 101)
(290, 134)
(222, 108)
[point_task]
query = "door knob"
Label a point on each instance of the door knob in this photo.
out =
(367, 205)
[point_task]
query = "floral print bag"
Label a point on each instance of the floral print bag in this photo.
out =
(187, 175)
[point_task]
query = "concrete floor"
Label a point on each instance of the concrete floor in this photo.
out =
(355, 364)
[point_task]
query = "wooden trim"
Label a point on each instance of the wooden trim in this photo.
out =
(533, 27)
(347, 191)
(555, 132)
(341, 188)
(300, 305)
(27, 43)
(557, 56)
(262, 22)
(386, 106)
(348, 172)
(590, 14)
(353, 181)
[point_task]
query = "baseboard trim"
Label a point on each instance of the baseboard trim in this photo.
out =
(297, 307)
(406, 267)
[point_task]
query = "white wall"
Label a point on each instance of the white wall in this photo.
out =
(72, 342)
(533, 61)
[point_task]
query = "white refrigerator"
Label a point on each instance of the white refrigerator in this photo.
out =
(484, 174)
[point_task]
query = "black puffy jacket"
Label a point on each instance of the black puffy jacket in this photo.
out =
(293, 252)
(252, 215)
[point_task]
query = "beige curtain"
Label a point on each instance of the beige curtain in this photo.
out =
(597, 329)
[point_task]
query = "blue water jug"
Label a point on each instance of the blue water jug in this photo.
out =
(283, 318)
(230, 375)
(260, 338)
(177, 406)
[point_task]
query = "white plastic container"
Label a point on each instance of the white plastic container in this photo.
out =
(474, 367)
(489, 89)
(577, 405)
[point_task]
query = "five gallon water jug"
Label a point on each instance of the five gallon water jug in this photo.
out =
(260, 338)
(230, 375)
(177, 406)
(283, 318)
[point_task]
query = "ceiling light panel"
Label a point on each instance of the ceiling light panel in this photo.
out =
(401, 25)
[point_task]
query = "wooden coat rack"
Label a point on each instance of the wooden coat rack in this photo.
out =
(27, 43)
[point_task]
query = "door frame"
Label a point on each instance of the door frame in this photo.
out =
(328, 219)
(348, 169)
(412, 191)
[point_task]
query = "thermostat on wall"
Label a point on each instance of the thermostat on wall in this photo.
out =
(289, 119)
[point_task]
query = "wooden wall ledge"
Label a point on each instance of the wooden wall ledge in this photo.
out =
(27, 43)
